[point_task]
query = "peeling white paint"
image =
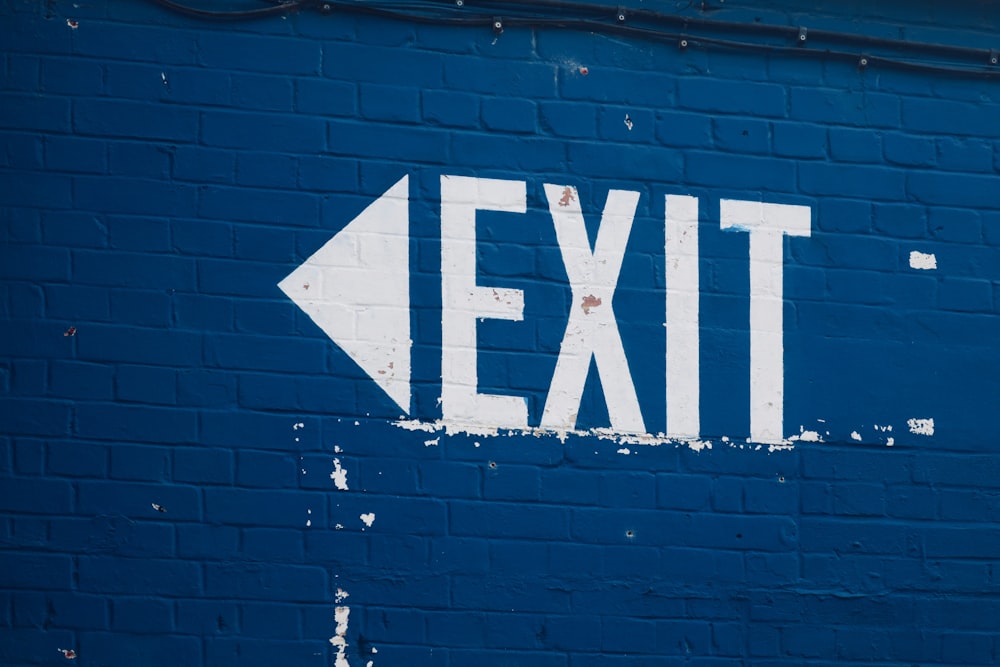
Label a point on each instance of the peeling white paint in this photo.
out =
(890, 442)
(806, 436)
(339, 640)
(609, 434)
(433, 442)
(341, 595)
(921, 426)
(339, 476)
(339, 526)
(309, 521)
(922, 261)
(337, 449)
(368, 518)
(297, 426)
(855, 436)
(625, 450)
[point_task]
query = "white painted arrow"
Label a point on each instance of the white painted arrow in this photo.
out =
(356, 288)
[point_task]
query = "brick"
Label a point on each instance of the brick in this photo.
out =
(120, 41)
(509, 115)
(134, 499)
(36, 496)
(24, 570)
(733, 97)
(141, 308)
(741, 135)
(394, 104)
(261, 131)
(853, 145)
(139, 234)
(131, 195)
(134, 120)
(76, 459)
(140, 159)
(146, 384)
(139, 346)
(450, 108)
(141, 615)
(35, 112)
(135, 423)
(278, 55)
(37, 417)
(203, 466)
(326, 98)
(268, 93)
(252, 581)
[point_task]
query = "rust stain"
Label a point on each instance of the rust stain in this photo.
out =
(70, 332)
(590, 301)
(305, 286)
(567, 196)
(68, 653)
(584, 71)
(72, 24)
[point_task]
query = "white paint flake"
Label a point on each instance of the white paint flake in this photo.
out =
(337, 449)
(339, 526)
(855, 436)
(368, 518)
(625, 450)
(341, 595)
(433, 442)
(921, 426)
(890, 442)
(922, 261)
(339, 476)
(339, 640)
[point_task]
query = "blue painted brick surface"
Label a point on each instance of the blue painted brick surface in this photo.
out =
(191, 473)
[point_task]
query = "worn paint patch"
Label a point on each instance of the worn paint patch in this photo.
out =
(368, 518)
(339, 640)
(339, 476)
(921, 426)
(922, 261)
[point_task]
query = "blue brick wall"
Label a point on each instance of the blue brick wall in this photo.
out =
(174, 431)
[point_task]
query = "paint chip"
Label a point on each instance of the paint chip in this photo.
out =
(72, 24)
(68, 653)
(159, 508)
(568, 196)
(590, 301)
(925, 262)
(855, 436)
(628, 122)
(368, 518)
(70, 332)
(341, 595)
(432, 443)
(921, 426)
